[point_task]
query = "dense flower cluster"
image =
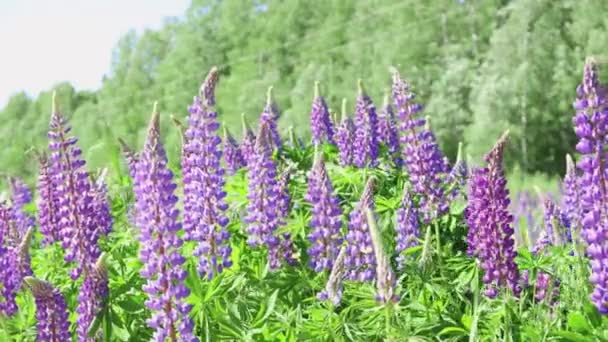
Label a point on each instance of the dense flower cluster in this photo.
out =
(366, 131)
(47, 203)
(321, 126)
(156, 217)
(92, 294)
(203, 177)
(233, 155)
(591, 127)
(490, 233)
(51, 312)
(21, 195)
(326, 220)
(360, 259)
(269, 117)
(407, 227)
(388, 134)
(422, 157)
(344, 138)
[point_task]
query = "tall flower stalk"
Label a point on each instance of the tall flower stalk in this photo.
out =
(51, 311)
(490, 236)
(270, 115)
(156, 217)
(93, 293)
(47, 202)
(571, 200)
(385, 277)
(233, 156)
(203, 176)
(360, 259)
(320, 120)
(21, 195)
(388, 134)
(344, 137)
(365, 150)
(408, 226)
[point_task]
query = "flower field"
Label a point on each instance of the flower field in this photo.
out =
(365, 232)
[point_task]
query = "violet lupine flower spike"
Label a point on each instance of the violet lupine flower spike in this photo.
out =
(326, 219)
(10, 277)
(333, 288)
(360, 260)
(407, 227)
(203, 176)
(387, 131)
(21, 195)
(233, 156)
(591, 126)
(51, 311)
(269, 116)
(385, 277)
(320, 120)
(571, 209)
(74, 194)
(93, 292)
(47, 203)
(157, 216)
(248, 141)
(365, 150)
(422, 158)
(344, 137)
(264, 217)
(457, 178)
(490, 233)
(130, 156)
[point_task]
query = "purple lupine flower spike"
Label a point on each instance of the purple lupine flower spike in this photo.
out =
(284, 198)
(157, 220)
(365, 142)
(388, 133)
(422, 157)
(51, 311)
(233, 156)
(326, 219)
(333, 288)
(344, 136)
(591, 127)
(74, 193)
(385, 277)
(490, 233)
(93, 293)
(270, 116)
(264, 214)
(457, 178)
(360, 260)
(408, 226)
(21, 195)
(320, 120)
(47, 203)
(248, 141)
(203, 176)
(130, 156)
(571, 200)
(10, 277)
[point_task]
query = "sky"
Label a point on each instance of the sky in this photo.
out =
(45, 42)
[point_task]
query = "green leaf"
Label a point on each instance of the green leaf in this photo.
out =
(453, 331)
(572, 336)
(578, 322)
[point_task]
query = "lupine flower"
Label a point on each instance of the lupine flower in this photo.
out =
(422, 157)
(333, 288)
(591, 126)
(75, 196)
(284, 198)
(365, 141)
(203, 176)
(385, 277)
(47, 203)
(10, 279)
(344, 137)
(326, 218)
(388, 134)
(571, 199)
(321, 126)
(407, 227)
(270, 116)
(100, 205)
(130, 156)
(490, 236)
(232, 153)
(51, 311)
(248, 142)
(264, 216)
(157, 220)
(457, 178)
(360, 260)
(21, 195)
(91, 298)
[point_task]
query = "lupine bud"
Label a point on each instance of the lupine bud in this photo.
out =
(51, 311)
(591, 126)
(385, 277)
(203, 176)
(47, 203)
(490, 236)
(333, 288)
(365, 142)
(264, 216)
(360, 259)
(248, 142)
(320, 120)
(388, 134)
(326, 220)
(232, 153)
(422, 157)
(270, 116)
(344, 137)
(457, 178)
(130, 156)
(157, 220)
(408, 226)
(571, 200)
(93, 291)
